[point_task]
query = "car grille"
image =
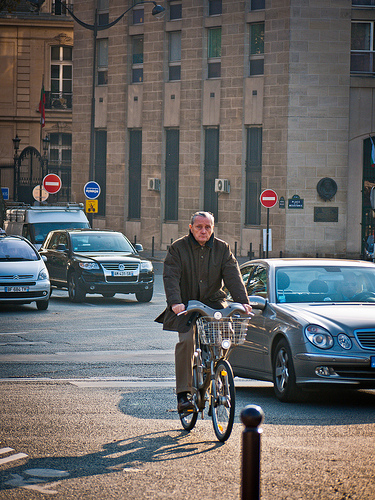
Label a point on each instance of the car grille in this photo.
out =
(114, 266)
(20, 276)
(121, 279)
(18, 283)
(365, 338)
(21, 295)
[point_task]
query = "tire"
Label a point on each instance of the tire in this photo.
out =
(188, 420)
(223, 404)
(76, 294)
(42, 305)
(144, 295)
(284, 377)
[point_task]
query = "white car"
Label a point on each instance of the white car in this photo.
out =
(23, 275)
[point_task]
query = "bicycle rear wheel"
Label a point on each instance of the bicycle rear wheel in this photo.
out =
(223, 404)
(189, 419)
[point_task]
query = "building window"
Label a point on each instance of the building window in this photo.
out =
(175, 10)
(362, 48)
(175, 55)
(138, 12)
(60, 163)
(253, 175)
(60, 96)
(135, 166)
(102, 61)
(211, 169)
(172, 148)
(256, 49)
(214, 7)
(257, 4)
(137, 59)
(214, 53)
(363, 3)
(59, 9)
(103, 12)
(100, 167)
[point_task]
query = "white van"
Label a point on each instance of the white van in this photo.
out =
(35, 222)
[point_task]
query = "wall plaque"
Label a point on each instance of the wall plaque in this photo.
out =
(326, 214)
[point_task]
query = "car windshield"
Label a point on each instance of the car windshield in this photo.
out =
(101, 242)
(16, 250)
(41, 229)
(325, 284)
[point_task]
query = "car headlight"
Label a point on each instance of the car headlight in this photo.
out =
(146, 265)
(319, 336)
(43, 274)
(344, 341)
(88, 266)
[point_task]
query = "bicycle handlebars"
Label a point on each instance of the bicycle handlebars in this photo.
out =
(198, 307)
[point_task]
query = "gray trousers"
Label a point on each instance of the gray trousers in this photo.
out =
(184, 351)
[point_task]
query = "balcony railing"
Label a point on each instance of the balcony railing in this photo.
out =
(59, 100)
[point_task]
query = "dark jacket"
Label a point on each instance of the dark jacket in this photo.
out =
(195, 272)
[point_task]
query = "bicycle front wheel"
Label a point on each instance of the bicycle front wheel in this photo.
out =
(189, 419)
(223, 400)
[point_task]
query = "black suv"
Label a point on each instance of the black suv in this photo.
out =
(91, 261)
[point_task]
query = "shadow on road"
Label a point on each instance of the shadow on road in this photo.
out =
(131, 454)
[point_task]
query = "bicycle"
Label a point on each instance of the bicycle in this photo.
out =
(216, 332)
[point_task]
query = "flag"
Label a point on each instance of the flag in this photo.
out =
(372, 153)
(42, 107)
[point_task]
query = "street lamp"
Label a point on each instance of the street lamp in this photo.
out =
(44, 165)
(157, 11)
(16, 145)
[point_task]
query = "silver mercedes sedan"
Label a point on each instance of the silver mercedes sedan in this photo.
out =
(313, 324)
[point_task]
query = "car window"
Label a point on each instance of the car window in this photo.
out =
(257, 282)
(100, 242)
(325, 284)
(16, 250)
(53, 241)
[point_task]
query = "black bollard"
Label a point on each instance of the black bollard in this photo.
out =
(153, 246)
(235, 249)
(252, 416)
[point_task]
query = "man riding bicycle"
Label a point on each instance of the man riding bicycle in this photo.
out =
(195, 268)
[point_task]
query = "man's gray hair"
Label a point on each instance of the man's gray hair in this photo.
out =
(207, 215)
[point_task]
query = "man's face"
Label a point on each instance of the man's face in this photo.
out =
(202, 229)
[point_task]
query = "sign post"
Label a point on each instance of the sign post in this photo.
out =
(268, 198)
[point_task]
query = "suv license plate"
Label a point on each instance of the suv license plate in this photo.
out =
(123, 273)
(12, 289)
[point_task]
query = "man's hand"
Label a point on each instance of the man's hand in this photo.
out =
(179, 308)
(248, 308)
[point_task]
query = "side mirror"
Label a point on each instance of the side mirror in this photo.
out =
(61, 247)
(138, 247)
(257, 302)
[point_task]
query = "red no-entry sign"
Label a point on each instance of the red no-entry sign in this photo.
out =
(52, 183)
(268, 198)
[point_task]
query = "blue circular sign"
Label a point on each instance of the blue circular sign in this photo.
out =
(91, 190)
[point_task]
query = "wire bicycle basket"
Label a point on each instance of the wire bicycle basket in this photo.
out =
(212, 331)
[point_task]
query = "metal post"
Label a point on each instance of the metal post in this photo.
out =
(252, 416)
(268, 230)
(260, 251)
(235, 249)
(153, 246)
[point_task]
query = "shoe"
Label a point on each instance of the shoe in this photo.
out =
(184, 404)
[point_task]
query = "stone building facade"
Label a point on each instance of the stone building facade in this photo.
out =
(35, 47)
(216, 102)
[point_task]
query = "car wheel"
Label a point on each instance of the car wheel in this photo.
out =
(284, 378)
(76, 294)
(42, 305)
(145, 295)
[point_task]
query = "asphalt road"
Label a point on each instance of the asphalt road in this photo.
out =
(88, 411)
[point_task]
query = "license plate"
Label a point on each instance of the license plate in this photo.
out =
(12, 289)
(372, 359)
(124, 273)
